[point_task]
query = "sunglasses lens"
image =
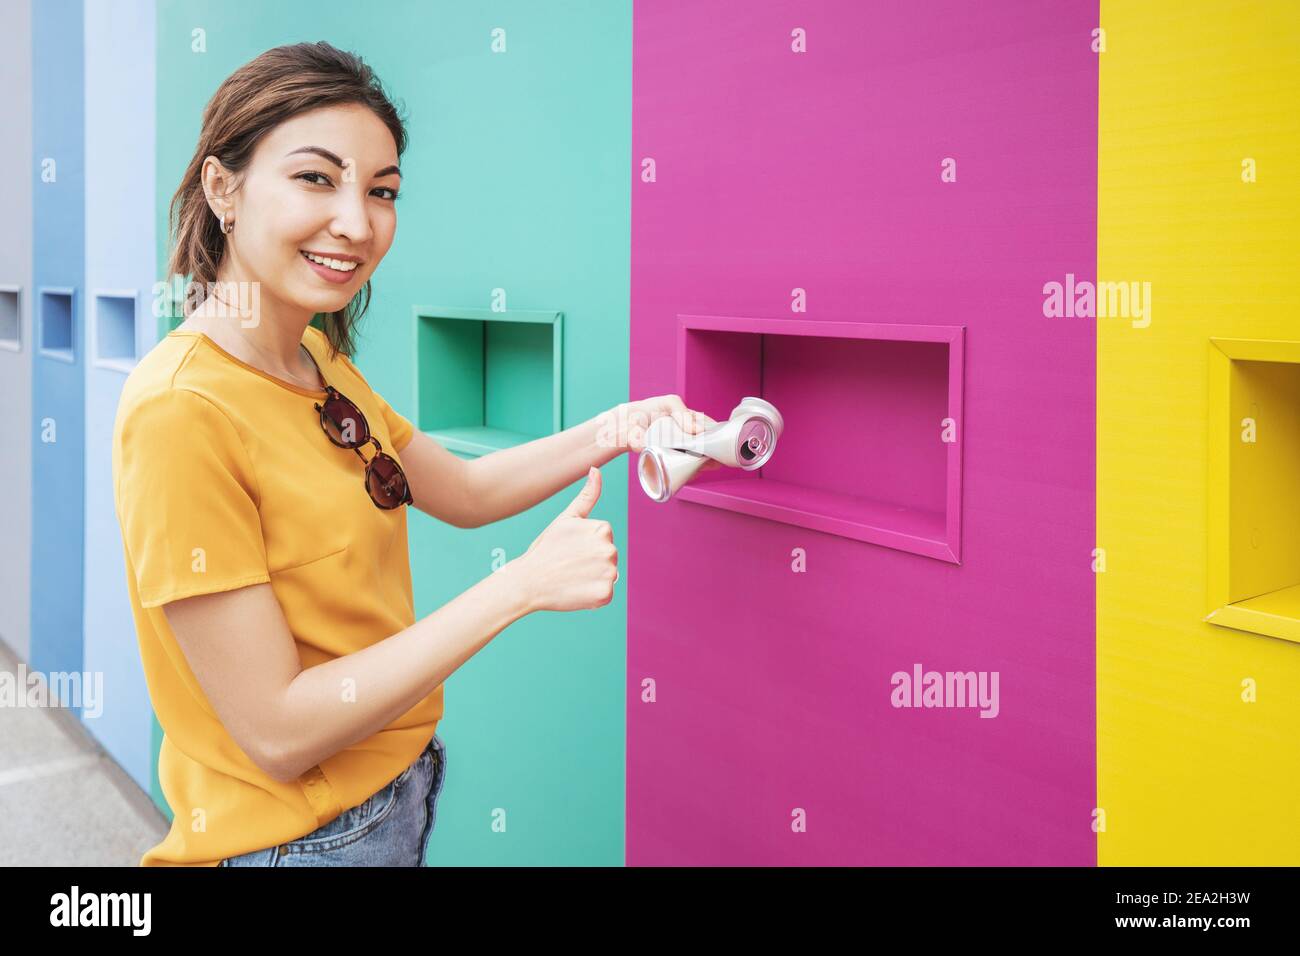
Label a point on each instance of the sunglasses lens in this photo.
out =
(386, 481)
(343, 423)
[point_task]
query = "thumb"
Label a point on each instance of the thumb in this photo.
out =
(581, 506)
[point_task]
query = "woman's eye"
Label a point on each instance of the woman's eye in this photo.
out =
(388, 192)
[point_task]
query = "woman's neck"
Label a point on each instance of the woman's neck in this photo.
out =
(265, 341)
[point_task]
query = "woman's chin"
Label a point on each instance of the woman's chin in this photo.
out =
(318, 301)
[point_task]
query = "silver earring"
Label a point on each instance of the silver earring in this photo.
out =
(226, 226)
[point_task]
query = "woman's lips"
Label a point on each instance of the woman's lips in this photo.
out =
(328, 274)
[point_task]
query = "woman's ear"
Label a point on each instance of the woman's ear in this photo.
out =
(218, 185)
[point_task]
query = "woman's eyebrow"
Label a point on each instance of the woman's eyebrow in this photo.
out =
(333, 158)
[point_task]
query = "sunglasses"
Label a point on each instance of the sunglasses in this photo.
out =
(346, 427)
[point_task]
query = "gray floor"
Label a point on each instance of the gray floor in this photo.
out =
(63, 800)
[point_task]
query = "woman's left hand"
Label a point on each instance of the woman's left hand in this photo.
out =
(639, 415)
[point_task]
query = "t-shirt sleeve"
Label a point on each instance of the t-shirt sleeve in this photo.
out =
(400, 427)
(187, 499)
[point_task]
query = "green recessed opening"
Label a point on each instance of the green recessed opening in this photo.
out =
(487, 381)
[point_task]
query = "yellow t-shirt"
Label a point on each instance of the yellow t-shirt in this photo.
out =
(223, 478)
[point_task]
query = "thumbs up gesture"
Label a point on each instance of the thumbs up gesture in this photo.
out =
(573, 564)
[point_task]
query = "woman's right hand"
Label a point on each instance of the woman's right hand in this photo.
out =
(573, 564)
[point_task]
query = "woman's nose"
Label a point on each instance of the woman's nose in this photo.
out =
(351, 218)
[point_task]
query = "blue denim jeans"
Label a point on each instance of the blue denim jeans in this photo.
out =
(390, 828)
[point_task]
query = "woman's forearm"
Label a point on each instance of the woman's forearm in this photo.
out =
(506, 482)
(333, 705)
(328, 707)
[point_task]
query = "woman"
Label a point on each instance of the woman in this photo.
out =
(262, 486)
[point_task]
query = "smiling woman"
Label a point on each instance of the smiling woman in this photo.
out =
(299, 151)
(261, 485)
(255, 557)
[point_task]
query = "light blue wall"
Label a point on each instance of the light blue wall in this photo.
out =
(119, 259)
(16, 366)
(58, 386)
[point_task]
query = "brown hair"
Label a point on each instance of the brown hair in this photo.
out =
(261, 94)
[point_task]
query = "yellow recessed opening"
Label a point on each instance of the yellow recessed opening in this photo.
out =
(1254, 445)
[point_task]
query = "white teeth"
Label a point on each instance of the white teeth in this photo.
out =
(337, 264)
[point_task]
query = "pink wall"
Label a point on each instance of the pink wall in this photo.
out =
(775, 171)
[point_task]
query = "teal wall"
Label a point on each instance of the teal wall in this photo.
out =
(516, 178)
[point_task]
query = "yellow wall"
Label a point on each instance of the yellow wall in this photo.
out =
(1189, 773)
